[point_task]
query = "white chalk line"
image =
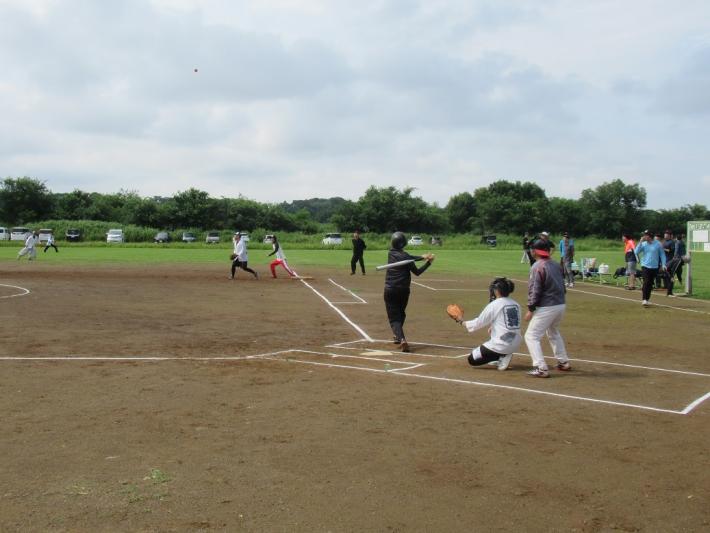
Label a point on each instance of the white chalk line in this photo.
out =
(402, 372)
(348, 290)
(634, 300)
(435, 289)
(393, 352)
(342, 345)
(27, 291)
(107, 358)
(343, 315)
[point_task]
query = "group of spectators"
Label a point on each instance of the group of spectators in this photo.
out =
(661, 259)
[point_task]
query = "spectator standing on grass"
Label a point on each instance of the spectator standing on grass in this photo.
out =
(650, 251)
(669, 250)
(567, 258)
(546, 308)
(280, 259)
(242, 256)
(527, 255)
(630, 259)
(358, 252)
(397, 285)
(680, 251)
(30, 243)
(50, 242)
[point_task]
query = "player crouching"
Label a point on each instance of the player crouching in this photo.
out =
(502, 314)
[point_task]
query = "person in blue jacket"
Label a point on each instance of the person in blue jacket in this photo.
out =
(651, 253)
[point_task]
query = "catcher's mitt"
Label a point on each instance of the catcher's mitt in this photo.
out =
(232, 257)
(455, 311)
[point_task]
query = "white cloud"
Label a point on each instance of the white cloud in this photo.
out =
(296, 99)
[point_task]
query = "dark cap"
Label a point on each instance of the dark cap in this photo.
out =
(541, 247)
(565, 234)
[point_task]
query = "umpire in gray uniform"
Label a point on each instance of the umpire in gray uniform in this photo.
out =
(397, 285)
(546, 307)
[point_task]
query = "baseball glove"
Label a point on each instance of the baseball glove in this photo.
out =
(455, 311)
(232, 257)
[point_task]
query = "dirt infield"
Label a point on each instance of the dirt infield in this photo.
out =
(159, 399)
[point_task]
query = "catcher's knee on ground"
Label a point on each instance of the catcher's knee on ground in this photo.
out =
(482, 356)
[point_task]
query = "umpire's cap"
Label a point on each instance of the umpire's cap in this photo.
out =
(399, 240)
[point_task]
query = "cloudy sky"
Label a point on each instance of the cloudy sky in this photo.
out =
(296, 99)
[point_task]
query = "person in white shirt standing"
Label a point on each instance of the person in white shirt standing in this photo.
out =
(241, 259)
(50, 242)
(29, 248)
(503, 315)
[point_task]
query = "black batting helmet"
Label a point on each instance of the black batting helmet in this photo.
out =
(399, 240)
(502, 285)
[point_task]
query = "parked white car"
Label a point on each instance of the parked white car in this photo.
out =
(332, 239)
(20, 234)
(416, 240)
(4, 234)
(114, 235)
(269, 239)
(244, 235)
(212, 237)
(44, 234)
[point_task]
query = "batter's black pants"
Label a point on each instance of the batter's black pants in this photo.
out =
(354, 261)
(53, 246)
(396, 304)
(238, 264)
(649, 277)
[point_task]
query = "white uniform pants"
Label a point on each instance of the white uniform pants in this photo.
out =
(546, 320)
(26, 250)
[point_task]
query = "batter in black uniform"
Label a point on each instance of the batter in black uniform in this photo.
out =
(397, 282)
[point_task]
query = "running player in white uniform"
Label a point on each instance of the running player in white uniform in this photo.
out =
(29, 248)
(503, 315)
(242, 256)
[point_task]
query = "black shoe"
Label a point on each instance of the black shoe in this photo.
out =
(352, 273)
(396, 340)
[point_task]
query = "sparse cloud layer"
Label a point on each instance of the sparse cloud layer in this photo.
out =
(297, 99)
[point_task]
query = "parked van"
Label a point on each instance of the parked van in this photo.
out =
(332, 239)
(114, 235)
(44, 234)
(4, 234)
(20, 234)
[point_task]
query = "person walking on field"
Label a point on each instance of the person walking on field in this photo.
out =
(280, 259)
(567, 258)
(397, 285)
(50, 242)
(546, 307)
(631, 260)
(241, 259)
(358, 252)
(29, 248)
(652, 255)
(680, 251)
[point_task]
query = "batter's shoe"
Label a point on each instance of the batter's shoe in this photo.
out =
(564, 367)
(396, 340)
(539, 373)
(504, 361)
(405, 347)
(645, 303)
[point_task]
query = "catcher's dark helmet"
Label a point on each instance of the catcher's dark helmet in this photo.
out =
(399, 240)
(502, 285)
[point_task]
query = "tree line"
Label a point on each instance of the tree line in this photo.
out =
(501, 207)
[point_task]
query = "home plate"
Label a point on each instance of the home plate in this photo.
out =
(376, 352)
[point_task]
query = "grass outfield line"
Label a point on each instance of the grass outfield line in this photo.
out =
(488, 262)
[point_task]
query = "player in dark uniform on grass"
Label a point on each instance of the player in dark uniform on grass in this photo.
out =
(397, 285)
(358, 251)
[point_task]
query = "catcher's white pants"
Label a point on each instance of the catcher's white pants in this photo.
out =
(32, 251)
(546, 320)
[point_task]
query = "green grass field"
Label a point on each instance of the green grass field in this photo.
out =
(490, 261)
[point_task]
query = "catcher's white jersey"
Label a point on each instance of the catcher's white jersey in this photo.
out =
(503, 315)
